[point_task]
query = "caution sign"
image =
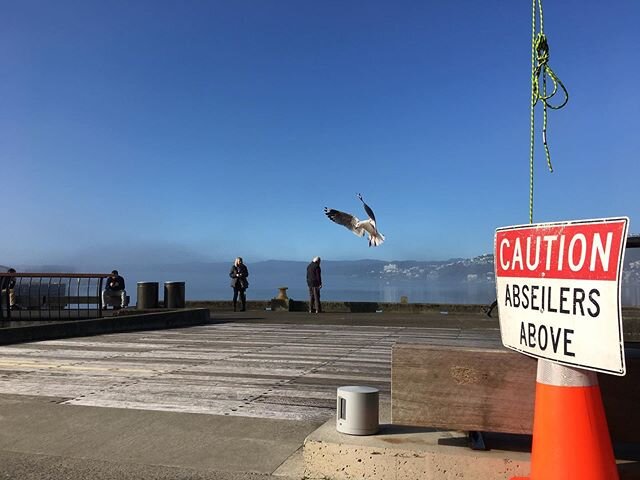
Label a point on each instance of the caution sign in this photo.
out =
(558, 291)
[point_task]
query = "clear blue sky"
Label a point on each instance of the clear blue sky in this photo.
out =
(139, 131)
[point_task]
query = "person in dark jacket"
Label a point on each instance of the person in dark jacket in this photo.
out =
(7, 286)
(239, 283)
(115, 289)
(314, 281)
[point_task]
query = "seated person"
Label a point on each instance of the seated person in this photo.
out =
(8, 285)
(114, 290)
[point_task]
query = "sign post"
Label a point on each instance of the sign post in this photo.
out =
(558, 293)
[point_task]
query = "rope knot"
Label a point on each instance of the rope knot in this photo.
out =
(542, 49)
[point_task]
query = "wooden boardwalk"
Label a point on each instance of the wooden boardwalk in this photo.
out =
(278, 371)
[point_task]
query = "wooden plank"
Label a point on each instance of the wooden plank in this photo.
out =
(462, 388)
(491, 390)
(621, 397)
(257, 370)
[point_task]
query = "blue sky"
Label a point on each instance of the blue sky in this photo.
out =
(140, 131)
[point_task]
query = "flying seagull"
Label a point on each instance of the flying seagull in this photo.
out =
(358, 227)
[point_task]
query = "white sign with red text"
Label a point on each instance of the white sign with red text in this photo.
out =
(558, 291)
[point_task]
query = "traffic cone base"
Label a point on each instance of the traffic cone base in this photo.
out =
(570, 433)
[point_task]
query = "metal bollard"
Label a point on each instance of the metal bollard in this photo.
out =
(147, 295)
(174, 296)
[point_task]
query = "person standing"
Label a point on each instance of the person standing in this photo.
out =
(7, 286)
(314, 281)
(488, 310)
(239, 283)
(114, 289)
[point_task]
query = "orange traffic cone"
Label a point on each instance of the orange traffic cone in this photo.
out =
(570, 434)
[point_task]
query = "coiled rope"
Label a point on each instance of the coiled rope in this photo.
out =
(540, 70)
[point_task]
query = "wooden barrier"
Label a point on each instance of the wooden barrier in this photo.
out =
(491, 389)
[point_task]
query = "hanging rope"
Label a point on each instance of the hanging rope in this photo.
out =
(540, 70)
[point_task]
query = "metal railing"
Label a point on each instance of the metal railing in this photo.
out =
(51, 296)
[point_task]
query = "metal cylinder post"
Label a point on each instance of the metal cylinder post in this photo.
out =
(174, 295)
(147, 295)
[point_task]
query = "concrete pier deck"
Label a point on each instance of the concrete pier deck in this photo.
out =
(233, 399)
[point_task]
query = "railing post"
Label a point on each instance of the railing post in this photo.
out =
(99, 295)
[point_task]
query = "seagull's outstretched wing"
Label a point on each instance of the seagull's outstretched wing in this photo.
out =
(345, 219)
(367, 208)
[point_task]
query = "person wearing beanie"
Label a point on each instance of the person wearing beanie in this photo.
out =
(314, 281)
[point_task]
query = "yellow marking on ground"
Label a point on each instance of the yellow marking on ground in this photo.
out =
(73, 367)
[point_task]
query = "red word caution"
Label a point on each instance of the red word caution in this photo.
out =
(579, 251)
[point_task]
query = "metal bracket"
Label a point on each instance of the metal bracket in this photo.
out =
(476, 441)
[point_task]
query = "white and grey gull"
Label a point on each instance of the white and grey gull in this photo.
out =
(358, 227)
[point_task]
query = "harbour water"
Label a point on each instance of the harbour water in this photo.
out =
(200, 286)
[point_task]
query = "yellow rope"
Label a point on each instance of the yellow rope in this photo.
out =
(540, 69)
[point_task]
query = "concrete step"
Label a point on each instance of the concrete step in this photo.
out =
(409, 453)
(405, 453)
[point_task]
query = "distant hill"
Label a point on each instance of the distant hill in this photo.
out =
(457, 270)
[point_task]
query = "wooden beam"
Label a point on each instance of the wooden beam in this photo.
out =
(491, 389)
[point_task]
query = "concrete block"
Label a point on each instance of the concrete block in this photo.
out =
(405, 453)
(278, 304)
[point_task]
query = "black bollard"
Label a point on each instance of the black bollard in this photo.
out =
(174, 296)
(147, 295)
